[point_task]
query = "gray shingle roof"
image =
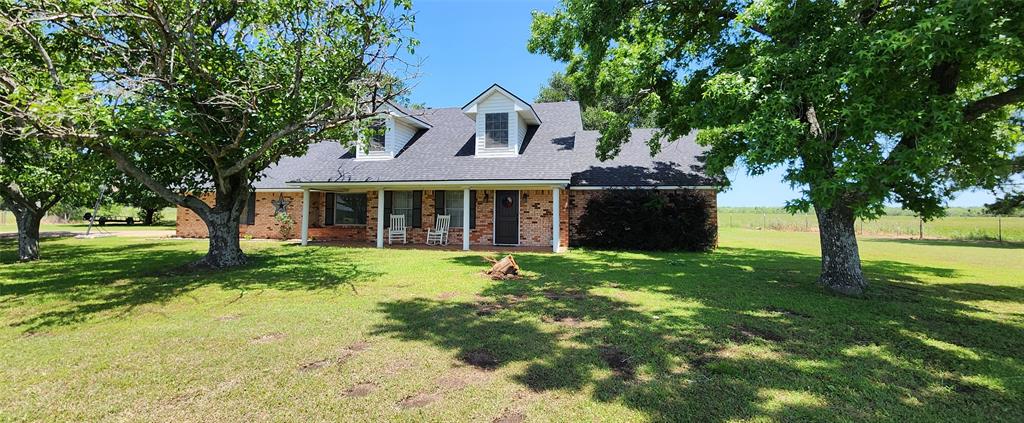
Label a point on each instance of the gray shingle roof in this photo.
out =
(557, 150)
(679, 163)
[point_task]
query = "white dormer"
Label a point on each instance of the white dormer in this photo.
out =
(399, 126)
(501, 122)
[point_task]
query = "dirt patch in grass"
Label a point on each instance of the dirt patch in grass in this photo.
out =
(462, 376)
(268, 338)
(488, 308)
(394, 367)
(316, 365)
(620, 362)
(510, 417)
(786, 312)
(418, 400)
(360, 390)
(481, 359)
(345, 354)
(568, 294)
(564, 320)
(745, 332)
(229, 318)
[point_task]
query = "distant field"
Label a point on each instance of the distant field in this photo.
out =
(962, 224)
(8, 225)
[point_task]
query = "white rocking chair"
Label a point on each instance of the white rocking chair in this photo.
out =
(397, 229)
(439, 235)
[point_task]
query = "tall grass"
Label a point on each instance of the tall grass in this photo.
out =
(960, 223)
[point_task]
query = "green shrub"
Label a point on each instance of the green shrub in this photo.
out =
(648, 220)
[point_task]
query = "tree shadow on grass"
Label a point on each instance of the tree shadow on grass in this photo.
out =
(737, 334)
(954, 243)
(92, 280)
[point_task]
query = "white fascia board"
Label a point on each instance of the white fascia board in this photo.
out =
(404, 117)
(511, 183)
(605, 187)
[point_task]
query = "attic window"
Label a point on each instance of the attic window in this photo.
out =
(377, 136)
(496, 130)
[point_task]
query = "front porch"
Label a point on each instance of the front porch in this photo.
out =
(498, 216)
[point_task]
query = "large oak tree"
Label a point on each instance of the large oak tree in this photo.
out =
(202, 96)
(863, 102)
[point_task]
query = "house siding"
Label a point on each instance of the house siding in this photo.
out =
(497, 103)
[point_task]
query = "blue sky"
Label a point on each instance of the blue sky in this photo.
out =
(468, 45)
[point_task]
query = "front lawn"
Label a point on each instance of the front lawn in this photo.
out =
(111, 329)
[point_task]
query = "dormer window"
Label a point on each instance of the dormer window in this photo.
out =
(378, 130)
(502, 120)
(387, 133)
(496, 130)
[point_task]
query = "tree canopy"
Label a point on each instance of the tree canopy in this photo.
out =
(594, 109)
(202, 96)
(862, 102)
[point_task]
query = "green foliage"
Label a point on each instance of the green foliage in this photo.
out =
(648, 220)
(595, 111)
(201, 95)
(285, 224)
(863, 102)
(1011, 200)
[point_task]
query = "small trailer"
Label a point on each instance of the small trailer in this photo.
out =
(103, 220)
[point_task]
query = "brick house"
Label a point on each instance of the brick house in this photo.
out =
(497, 165)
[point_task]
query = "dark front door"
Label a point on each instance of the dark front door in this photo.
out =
(506, 217)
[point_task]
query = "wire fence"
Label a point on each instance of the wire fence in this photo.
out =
(991, 228)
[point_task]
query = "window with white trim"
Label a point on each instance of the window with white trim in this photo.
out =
(377, 131)
(453, 207)
(401, 203)
(496, 130)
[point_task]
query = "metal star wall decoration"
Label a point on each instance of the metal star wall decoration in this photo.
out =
(281, 205)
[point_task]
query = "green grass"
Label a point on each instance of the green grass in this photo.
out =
(959, 225)
(168, 216)
(106, 329)
(82, 227)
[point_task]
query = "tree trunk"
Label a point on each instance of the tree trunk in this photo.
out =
(147, 218)
(28, 233)
(225, 249)
(840, 258)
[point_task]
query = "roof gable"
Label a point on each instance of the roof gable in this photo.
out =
(523, 108)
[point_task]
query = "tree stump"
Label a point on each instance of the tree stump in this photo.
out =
(506, 268)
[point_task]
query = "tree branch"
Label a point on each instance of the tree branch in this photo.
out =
(979, 107)
(129, 168)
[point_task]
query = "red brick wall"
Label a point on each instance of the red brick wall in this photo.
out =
(189, 225)
(578, 205)
(534, 220)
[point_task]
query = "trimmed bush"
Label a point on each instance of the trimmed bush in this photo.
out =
(648, 220)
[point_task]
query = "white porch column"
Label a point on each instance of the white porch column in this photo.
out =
(465, 219)
(305, 216)
(380, 218)
(556, 206)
